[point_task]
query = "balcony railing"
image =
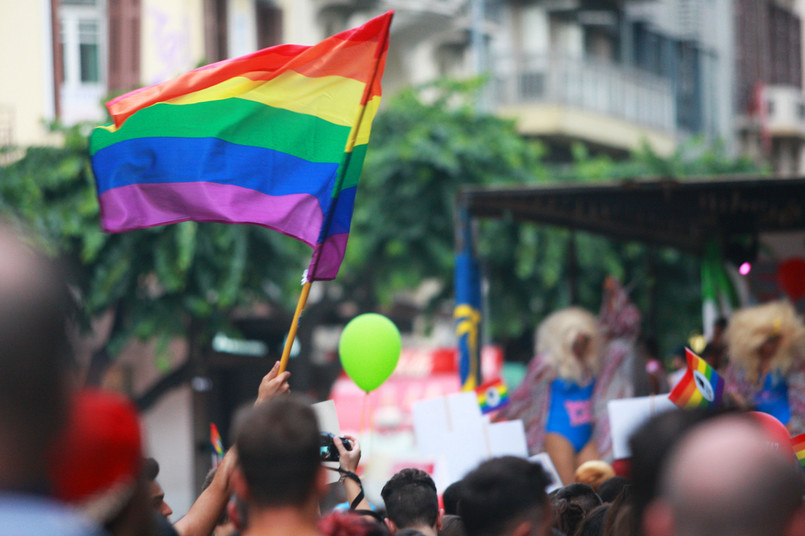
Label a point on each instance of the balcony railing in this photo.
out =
(624, 93)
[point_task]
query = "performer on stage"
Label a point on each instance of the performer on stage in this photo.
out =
(555, 400)
(766, 371)
(581, 363)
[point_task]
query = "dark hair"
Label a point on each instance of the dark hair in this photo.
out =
(450, 498)
(150, 469)
(411, 499)
(611, 487)
(582, 494)
(500, 492)
(409, 532)
(278, 451)
(593, 524)
(452, 525)
(620, 520)
(650, 445)
(567, 516)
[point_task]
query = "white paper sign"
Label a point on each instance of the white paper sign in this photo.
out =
(545, 461)
(507, 439)
(627, 414)
(453, 431)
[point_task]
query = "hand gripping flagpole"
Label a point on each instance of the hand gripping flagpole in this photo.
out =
(307, 278)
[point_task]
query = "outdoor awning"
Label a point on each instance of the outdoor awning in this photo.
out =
(684, 214)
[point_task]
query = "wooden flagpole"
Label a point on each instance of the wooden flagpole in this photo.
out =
(286, 352)
(348, 150)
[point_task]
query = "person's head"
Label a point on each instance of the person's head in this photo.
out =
(278, 455)
(772, 332)
(570, 341)
(155, 492)
(452, 525)
(582, 494)
(620, 516)
(97, 467)
(567, 516)
(593, 524)
(650, 445)
(34, 354)
(450, 498)
(411, 500)
(505, 496)
(611, 488)
(724, 478)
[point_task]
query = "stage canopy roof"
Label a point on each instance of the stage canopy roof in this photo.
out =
(684, 214)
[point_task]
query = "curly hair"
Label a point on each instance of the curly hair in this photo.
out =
(750, 327)
(556, 335)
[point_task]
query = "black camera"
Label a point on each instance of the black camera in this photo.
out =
(327, 449)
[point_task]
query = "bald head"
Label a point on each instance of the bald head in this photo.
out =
(725, 478)
(33, 350)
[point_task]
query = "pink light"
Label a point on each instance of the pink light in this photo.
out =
(745, 268)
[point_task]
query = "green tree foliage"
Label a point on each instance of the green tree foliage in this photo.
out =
(160, 281)
(426, 144)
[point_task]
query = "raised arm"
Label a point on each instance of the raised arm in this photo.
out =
(202, 517)
(348, 461)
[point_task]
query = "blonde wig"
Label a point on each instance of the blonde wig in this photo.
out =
(554, 341)
(750, 327)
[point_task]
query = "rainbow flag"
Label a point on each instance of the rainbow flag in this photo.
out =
(492, 396)
(798, 443)
(275, 138)
(700, 387)
(217, 445)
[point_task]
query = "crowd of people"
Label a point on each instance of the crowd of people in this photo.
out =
(72, 461)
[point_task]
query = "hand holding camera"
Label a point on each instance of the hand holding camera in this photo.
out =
(328, 450)
(344, 449)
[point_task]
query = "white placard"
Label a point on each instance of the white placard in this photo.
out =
(507, 439)
(328, 422)
(453, 431)
(430, 426)
(627, 414)
(545, 461)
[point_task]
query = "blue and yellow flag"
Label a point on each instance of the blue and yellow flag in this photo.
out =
(467, 312)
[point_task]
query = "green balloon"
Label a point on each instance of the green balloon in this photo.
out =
(369, 349)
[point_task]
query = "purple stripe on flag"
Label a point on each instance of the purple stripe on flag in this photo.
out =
(327, 258)
(138, 206)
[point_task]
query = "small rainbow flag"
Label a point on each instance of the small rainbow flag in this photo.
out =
(275, 138)
(798, 443)
(700, 387)
(217, 444)
(492, 396)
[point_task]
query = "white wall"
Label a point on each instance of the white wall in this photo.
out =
(242, 28)
(26, 91)
(172, 38)
(169, 436)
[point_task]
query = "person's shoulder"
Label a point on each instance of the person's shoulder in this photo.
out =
(27, 515)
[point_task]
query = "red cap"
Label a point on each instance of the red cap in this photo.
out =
(98, 458)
